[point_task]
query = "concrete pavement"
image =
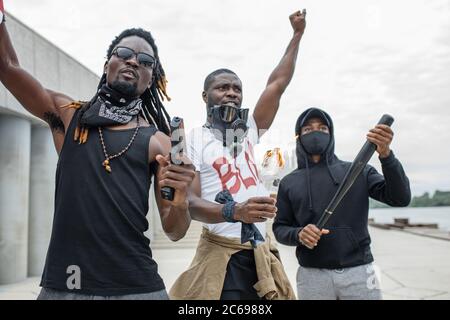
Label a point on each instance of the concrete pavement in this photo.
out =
(412, 266)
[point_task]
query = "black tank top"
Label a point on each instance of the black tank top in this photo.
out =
(100, 217)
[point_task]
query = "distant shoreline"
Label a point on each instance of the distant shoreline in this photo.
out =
(429, 220)
(438, 199)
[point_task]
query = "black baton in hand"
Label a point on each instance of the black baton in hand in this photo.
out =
(353, 172)
(178, 143)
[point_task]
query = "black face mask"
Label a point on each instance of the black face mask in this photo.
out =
(229, 124)
(316, 142)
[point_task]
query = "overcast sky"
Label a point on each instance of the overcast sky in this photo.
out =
(358, 60)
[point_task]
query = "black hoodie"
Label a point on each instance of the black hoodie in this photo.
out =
(304, 194)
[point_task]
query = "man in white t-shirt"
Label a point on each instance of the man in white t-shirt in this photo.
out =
(227, 193)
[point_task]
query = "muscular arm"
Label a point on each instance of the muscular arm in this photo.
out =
(255, 209)
(269, 101)
(174, 214)
(28, 91)
(200, 209)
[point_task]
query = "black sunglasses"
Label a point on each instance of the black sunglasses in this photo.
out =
(143, 59)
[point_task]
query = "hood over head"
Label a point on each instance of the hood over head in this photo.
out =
(304, 160)
(301, 153)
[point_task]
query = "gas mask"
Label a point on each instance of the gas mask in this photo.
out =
(229, 125)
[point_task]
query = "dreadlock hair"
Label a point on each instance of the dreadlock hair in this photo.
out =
(210, 78)
(152, 98)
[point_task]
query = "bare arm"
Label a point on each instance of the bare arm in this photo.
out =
(203, 210)
(257, 209)
(175, 217)
(269, 101)
(28, 91)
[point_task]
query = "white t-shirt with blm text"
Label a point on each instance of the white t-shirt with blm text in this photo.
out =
(219, 171)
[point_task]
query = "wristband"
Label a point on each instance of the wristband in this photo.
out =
(224, 197)
(228, 211)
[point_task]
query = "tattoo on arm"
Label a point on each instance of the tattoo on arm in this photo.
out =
(54, 121)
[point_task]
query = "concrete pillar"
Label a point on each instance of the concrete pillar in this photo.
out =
(42, 193)
(153, 218)
(14, 184)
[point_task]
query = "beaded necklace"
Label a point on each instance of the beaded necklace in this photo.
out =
(106, 162)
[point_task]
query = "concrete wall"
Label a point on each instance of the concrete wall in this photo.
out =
(15, 136)
(52, 67)
(27, 155)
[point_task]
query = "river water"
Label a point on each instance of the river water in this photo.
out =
(439, 215)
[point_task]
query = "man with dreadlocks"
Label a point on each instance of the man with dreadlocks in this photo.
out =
(235, 259)
(108, 148)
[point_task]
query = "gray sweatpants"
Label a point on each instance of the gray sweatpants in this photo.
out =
(357, 283)
(52, 294)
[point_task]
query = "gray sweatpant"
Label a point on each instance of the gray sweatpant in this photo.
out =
(357, 283)
(52, 294)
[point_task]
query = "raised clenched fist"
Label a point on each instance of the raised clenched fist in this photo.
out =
(298, 21)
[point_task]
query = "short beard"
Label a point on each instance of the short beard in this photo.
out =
(125, 88)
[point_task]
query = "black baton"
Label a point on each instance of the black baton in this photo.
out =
(353, 172)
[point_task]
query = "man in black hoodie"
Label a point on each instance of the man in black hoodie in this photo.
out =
(340, 265)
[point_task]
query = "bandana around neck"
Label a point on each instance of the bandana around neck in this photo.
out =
(111, 108)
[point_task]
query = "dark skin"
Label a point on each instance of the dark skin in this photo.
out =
(227, 89)
(381, 136)
(46, 105)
